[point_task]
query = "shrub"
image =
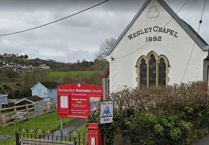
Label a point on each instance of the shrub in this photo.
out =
(170, 115)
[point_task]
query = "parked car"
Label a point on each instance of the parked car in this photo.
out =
(20, 115)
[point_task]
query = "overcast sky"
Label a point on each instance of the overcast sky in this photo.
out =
(78, 37)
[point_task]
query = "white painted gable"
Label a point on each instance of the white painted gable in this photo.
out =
(154, 29)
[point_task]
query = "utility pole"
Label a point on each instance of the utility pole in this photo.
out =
(104, 84)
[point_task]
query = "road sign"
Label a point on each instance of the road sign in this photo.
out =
(106, 112)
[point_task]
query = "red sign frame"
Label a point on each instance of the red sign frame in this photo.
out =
(73, 99)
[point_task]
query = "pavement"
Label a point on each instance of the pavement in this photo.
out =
(73, 125)
(203, 141)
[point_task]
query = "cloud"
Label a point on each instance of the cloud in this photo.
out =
(65, 56)
(9, 47)
(78, 37)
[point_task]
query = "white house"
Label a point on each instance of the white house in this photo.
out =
(155, 50)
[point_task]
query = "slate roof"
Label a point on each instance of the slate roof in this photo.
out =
(50, 85)
(188, 29)
(34, 98)
(105, 69)
(29, 100)
(3, 95)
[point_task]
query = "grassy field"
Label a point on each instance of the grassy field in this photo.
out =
(47, 122)
(58, 75)
(71, 73)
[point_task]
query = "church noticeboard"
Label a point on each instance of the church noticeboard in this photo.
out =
(76, 100)
(63, 102)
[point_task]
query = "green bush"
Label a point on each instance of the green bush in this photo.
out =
(170, 115)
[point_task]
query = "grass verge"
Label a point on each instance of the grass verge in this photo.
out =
(47, 122)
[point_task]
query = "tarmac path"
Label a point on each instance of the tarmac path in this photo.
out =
(73, 125)
(203, 141)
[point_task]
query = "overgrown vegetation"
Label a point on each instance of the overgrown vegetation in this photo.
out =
(23, 89)
(170, 115)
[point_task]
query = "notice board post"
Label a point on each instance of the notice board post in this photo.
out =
(77, 100)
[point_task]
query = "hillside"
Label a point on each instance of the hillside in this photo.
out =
(53, 65)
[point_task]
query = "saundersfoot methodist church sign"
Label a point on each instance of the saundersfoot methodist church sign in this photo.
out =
(155, 49)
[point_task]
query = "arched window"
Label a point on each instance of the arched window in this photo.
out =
(152, 70)
(143, 73)
(162, 73)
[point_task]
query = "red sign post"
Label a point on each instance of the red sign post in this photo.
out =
(77, 99)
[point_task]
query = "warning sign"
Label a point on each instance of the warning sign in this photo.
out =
(106, 112)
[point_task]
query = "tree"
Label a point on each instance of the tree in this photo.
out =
(104, 48)
(6, 88)
(18, 85)
(10, 73)
(26, 56)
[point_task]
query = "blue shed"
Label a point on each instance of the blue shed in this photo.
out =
(45, 89)
(33, 100)
(3, 99)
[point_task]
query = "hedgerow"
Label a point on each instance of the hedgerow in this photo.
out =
(170, 115)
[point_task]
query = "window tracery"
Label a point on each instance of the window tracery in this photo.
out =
(152, 70)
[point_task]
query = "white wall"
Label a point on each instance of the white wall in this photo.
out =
(177, 50)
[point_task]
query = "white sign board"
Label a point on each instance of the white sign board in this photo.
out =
(92, 140)
(106, 112)
(63, 101)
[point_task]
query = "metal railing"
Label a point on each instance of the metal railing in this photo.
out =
(56, 134)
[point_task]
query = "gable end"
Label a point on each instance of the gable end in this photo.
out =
(186, 27)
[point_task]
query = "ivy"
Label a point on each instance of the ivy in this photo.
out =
(158, 129)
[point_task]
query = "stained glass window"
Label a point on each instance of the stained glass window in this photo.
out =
(162, 73)
(152, 71)
(143, 73)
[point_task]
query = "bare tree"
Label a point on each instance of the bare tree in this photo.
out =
(105, 47)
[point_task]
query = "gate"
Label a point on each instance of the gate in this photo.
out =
(56, 134)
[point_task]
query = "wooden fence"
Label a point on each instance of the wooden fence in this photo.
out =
(10, 115)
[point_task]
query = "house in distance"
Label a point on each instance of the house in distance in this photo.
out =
(45, 90)
(155, 49)
(3, 99)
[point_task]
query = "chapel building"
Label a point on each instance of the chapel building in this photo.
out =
(155, 50)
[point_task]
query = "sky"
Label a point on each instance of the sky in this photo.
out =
(78, 37)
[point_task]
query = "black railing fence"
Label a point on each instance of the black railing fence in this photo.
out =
(56, 134)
